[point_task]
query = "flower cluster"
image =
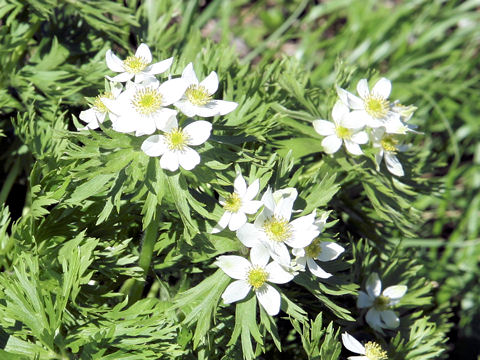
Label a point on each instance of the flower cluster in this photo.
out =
(144, 106)
(292, 245)
(369, 117)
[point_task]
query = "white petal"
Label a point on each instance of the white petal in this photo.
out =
(317, 270)
(143, 77)
(188, 158)
(240, 186)
(222, 223)
(356, 119)
(251, 207)
(374, 285)
(352, 344)
(378, 159)
(358, 358)
(304, 231)
(159, 67)
(189, 75)
(124, 124)
(373, 122)
(373, 319)
(284, 208)
(298, 252)
(249, 235)
(154, 145)
(252, 190)
(360, 137)
(186, 107)
(390, 319)
(395, 292)
(269, 298)
(113, 62)
(237, 221)
(89, 116)
(145, 127)
(352, 101)
(171, 123)
(237, 290)
(382, 88)
(144, 52)
(215, 108)
(330, 251)
(210, 83)
(268, 200)
(259, 255)
(331, 144)
(352, 120)
(324, 127)
(198, 132)
(166, 119)
(120, 77)
(362, 88)
(339, 111)
(393, 164)
(172, 90)
(234, 266)
(169, 161)
(363, 300)
(280, 254)
(277, 274)
(353, 148)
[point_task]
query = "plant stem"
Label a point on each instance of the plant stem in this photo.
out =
(7, 185)
(145, 258)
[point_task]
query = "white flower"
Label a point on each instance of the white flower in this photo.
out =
(344, 128)
(387, 147)
(97, 113)
(379, 315)
(373, 107)
(238, 204)
(173, 147)
(141, 108)
(318, 250)
(253, 275)
(371, 350)
(197, 99)
(137, 66)
(272, 230)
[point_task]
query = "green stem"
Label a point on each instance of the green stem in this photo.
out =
(20, 50)
(7, 185)
(145, 258)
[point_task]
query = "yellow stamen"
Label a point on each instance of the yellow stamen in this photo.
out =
(277, 229)
(134, 64)
(176, 139)
(147, 101)
(197, 95)
(98, 103)
(343, 132)
(381, 303)
(314, 249)
(376, 106)
(389, 144)
(374, 351)
(256, 277)
(233, 203)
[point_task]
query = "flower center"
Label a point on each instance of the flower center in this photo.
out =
(343, 132)
(134, 64)
(197, 95)
(389, 144)
(381, 303)
(256, 277)
(147, 101)
(314, 249)
(98, 103)
(277, 229)
(373, 351)
(376, 106)
(233, 203)
(176, 139)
